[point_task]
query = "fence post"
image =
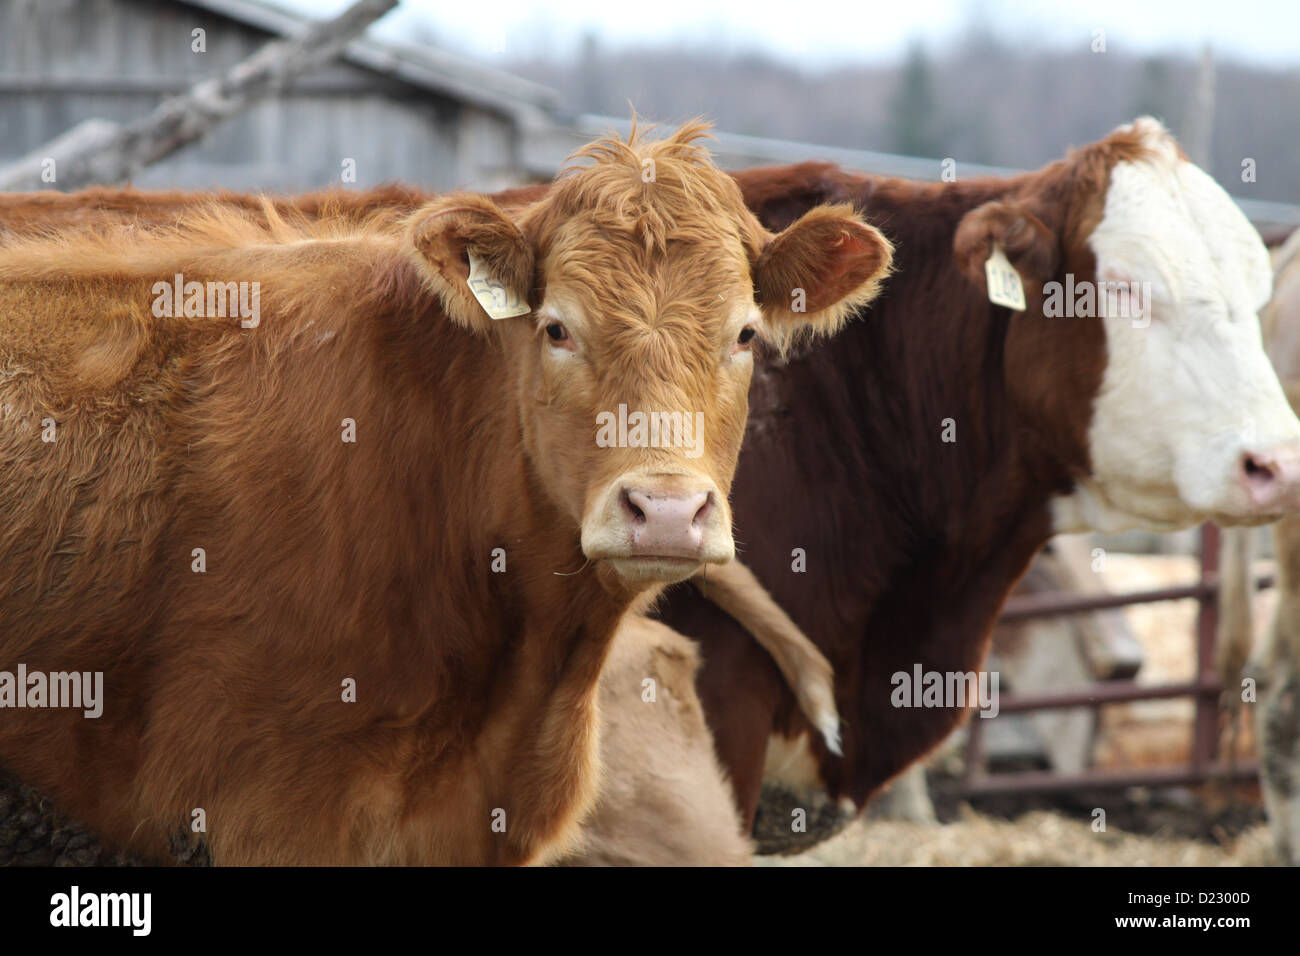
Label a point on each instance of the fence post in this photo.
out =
(1205, 733)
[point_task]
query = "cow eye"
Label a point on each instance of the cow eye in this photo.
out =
(559, 337)
(746, 334)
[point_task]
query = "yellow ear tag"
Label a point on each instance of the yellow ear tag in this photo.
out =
(1003, 281)
(497, 300)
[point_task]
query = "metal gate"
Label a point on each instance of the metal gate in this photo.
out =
(1205, 689)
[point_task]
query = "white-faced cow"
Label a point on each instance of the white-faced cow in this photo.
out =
(895, 484)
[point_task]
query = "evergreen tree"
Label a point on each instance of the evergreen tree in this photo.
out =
(913, 109)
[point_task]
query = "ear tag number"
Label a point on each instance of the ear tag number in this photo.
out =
(1003, 281)
(497, 300)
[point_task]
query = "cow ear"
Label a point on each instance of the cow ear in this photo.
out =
(814, 274)
(1029, 245)
(444, 234)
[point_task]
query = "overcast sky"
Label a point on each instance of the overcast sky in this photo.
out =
(821, 33)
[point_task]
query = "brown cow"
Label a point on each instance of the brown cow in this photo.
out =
(302, 638)
(630, 831)
(893, 487)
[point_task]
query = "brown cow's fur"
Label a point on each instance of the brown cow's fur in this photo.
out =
(664, 800)
(911, 544)
(223, 688)
(631, 830)
(27, 214)
(177, 430)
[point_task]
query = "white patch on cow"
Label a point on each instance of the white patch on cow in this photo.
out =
(825, 718)
(791, 762)
(1186, 394)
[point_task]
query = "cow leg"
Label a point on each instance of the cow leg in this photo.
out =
(735, 589)
(742, 691)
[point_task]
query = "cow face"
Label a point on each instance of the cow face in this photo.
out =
(646, 282)
(1187, 419)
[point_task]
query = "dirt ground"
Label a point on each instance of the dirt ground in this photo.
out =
(1039, 838)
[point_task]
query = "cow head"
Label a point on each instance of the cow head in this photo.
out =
(1153, 386)
(644, 281)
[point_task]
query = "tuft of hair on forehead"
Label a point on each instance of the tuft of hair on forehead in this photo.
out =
(1144, 140)
(652, 190)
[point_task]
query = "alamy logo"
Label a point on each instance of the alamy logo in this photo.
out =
(75, 908)
(1087, 300)
(923, 688)
(651, 430)
(79, 690)
(210, 300)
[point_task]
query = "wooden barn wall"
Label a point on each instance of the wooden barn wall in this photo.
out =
(64, 61)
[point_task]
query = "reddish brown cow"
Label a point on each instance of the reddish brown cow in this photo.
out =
(672, 771)
(277, 542)
(914, 467)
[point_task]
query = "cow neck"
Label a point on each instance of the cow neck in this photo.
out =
(530, 710)
(523, 625)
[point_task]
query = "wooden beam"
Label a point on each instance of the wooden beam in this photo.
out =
(97, 152)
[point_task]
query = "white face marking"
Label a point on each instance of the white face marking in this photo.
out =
(1189, 392)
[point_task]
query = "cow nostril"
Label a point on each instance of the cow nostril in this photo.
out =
(1257, 472)
(638, 516)
(704, 511)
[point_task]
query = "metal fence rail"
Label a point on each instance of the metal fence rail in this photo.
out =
(1205, 689)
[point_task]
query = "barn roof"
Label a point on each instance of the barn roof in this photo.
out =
(435, 70)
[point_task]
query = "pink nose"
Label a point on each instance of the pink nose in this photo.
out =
(667, 526)
(1272, 478)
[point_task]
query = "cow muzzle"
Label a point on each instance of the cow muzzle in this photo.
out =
(1271, 480)
(659, 527)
